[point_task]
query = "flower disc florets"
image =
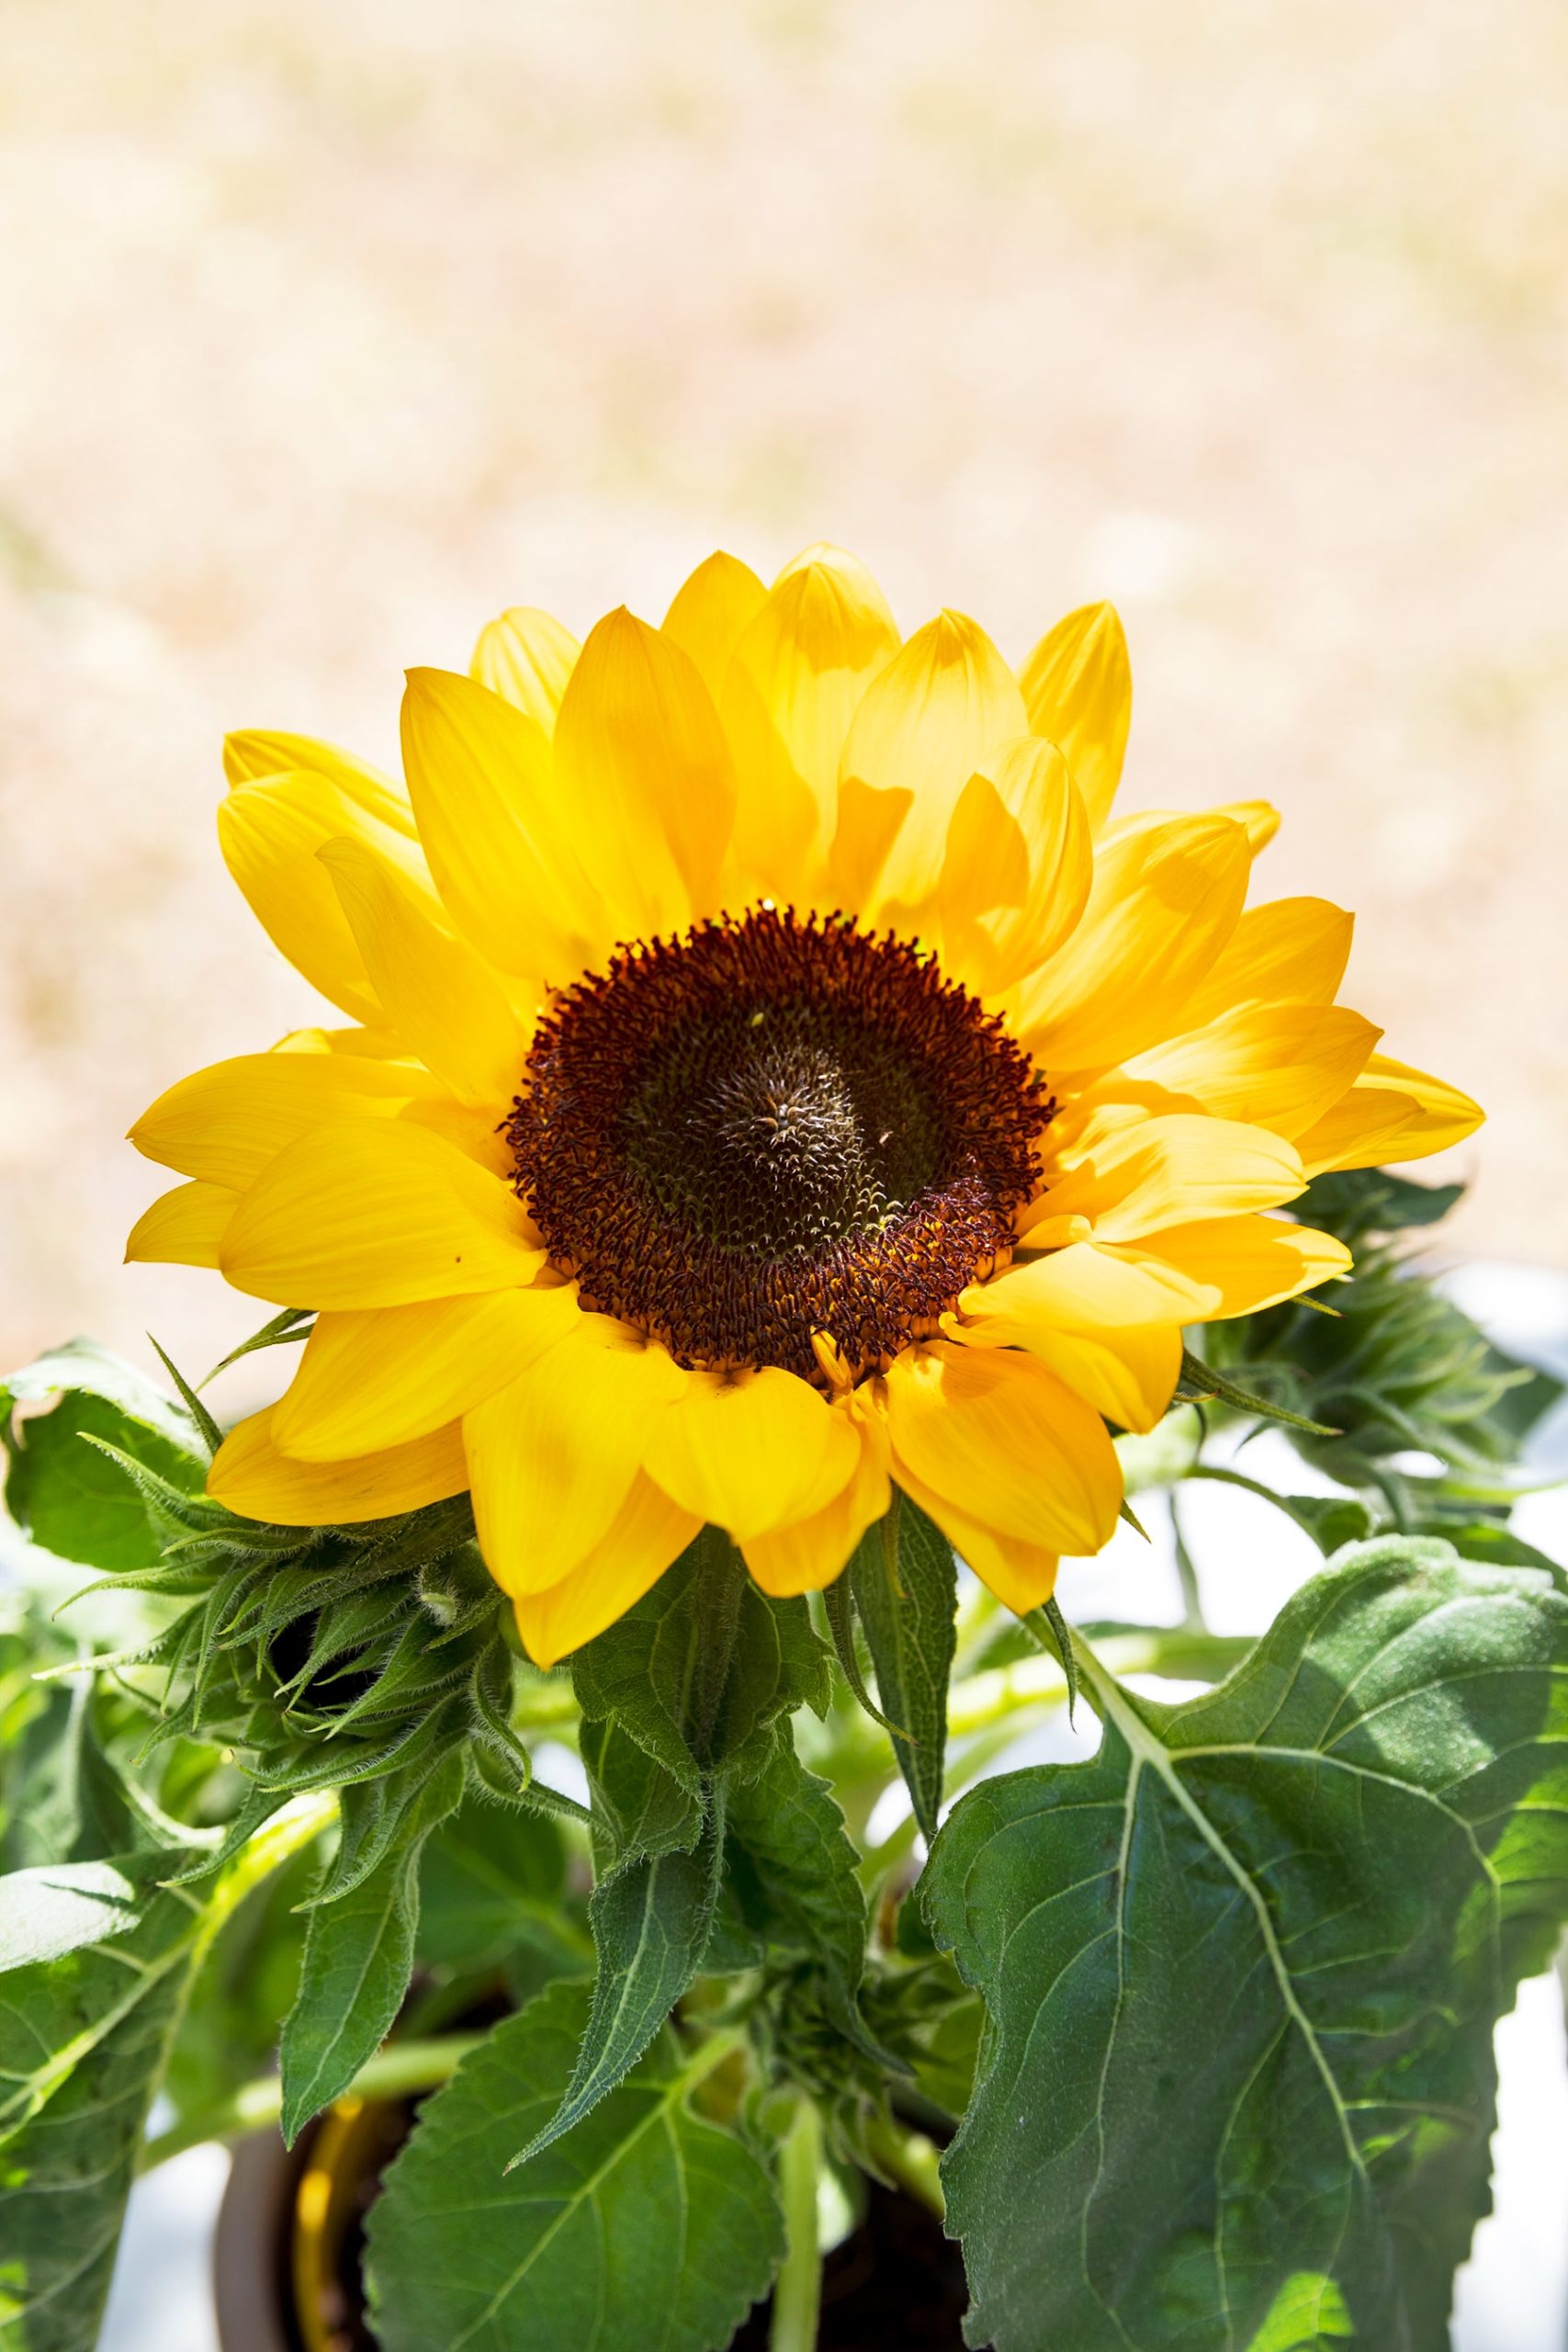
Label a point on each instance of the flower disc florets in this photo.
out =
(774, 1127)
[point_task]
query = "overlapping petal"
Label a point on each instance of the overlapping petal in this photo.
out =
(710, 614)
(1132, 1176)
(750, 1451)
(526, 657)
(270, 833)
(439, 994)
(993, 1433)
(924, 726)
(252, 1476)
(376, 1378)
(1077, 684)
(792, 687)
(375, 1213)
(225, 1123)
(1017, 867)
(183, 1228)
(809, 1552)
(646, 1535)
(499, 836)
(1161, 907)
(1391, 1113)
(553, 1455)
(643, 765)
(1279, 1066)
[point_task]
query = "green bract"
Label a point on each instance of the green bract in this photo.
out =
(1204, 2023)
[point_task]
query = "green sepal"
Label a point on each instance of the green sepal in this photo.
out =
(905, 1582)
(701, 1668)
(359, 1951)
(650, 1918)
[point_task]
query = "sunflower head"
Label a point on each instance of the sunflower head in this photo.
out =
(772, 1076)
(772, 1130)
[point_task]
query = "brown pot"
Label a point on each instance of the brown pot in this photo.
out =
(290, 2235)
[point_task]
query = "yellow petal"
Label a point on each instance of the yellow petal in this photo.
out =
(643, 765)
(1021, 1575)
(251, 1476)
(1083, 1288)
(1245, 1263)
(253, 754)
(269, 834)
(750, 1451)
(1279, 1065)
(711, 613)
(867, 828)
(437, 993)
(1077, 684)
(473, 1130)
(225, 1123)
(388, 1374)
(185, 1227)
(1291, 949)
(1259, 820)
(797, 674)
(809, 1553)
(1131, 1180)
(1110, 1330)
(1129, 1376)
(526, 657)
(647, 1533)
(924, 726)
(501, 838)
(1391, 1113)
(1000, 1436)
(553, 1455)
(375, 1213)
(1161, 907)
(1017, 869)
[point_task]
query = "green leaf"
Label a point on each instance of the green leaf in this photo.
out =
(651, 1919)
(1242, 1970)
(704, 1665)
(793, 1873)
(905, 1581)
(63, 1492)
(64, 1802)
(1332, 1520)
(83, 2042)
(1357, 1201)
(48, 1911)
(492, 1879)
(646, 2225)
(358, 1957)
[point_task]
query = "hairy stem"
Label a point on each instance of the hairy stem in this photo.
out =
(798, 2293)
(393, 2073)
(910, 2159)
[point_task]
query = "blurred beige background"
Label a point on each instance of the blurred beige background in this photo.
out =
(327, 327)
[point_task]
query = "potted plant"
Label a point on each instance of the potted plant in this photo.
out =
(546, 1771)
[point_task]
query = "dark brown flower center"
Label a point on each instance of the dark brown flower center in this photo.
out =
(774, 1127)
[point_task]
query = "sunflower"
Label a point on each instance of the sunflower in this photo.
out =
(773, 1079)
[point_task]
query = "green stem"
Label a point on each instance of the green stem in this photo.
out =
(1194, 1620)
(295, 1824)
(798, 2293)
(910, 2159)
(401, 2068)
